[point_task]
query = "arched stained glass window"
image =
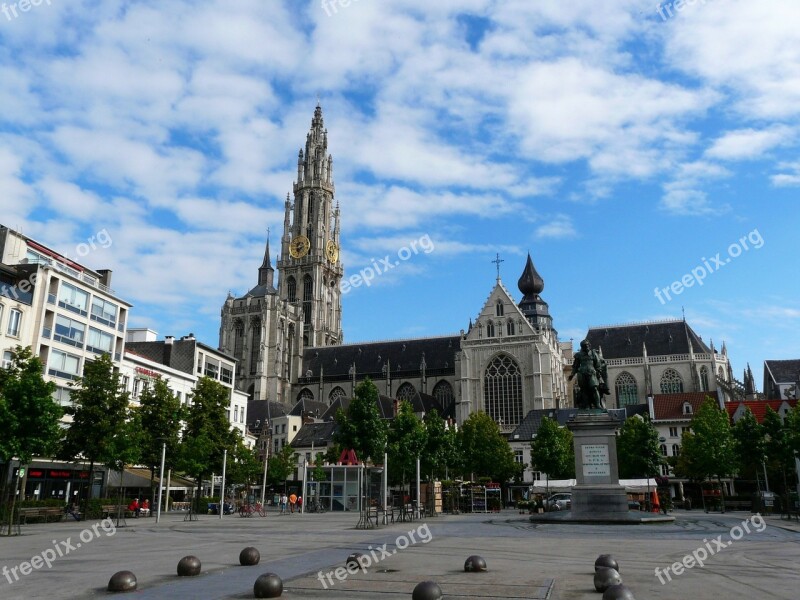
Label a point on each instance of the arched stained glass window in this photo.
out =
(502, 390)
(671, 382)
(406, 392)
(443, 392)
(626, 389)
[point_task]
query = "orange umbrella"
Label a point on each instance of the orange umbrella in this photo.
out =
(655, 505)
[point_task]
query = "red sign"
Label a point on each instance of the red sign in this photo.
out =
(54, 474)
(35, 474)
(148, 372)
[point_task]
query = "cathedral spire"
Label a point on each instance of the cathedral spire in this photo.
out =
(266, 273)
(530, 283)
(532, 305)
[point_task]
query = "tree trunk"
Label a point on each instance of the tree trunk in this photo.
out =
(721, 494)
(13, 502)
(89, 487)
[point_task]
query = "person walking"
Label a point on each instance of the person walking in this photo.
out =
(284, 500)
(292, 501)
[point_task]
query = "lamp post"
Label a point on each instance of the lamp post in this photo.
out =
(386, 485)
(304, 495)
(416, 510)
(221, 504)
(266, 464)
(161, 480)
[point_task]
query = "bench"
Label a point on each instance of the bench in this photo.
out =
(112, 510)
(45, 513)
(738, 505)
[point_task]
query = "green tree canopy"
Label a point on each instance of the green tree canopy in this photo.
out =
(486, 452)
(361, 427)
(161, 414)
(638, 452)
(103, 428)
(708, 450)
(441, 454)
(406, 441)
(552, 450)
(281, 466)
(778, 445)
(29, 416)
(208, 433)
(244, 465)
(749, 442)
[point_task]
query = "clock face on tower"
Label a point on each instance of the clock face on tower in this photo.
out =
(332, 251)
(299, 246)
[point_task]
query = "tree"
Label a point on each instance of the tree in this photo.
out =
(749, 443)
(208, 433)
(244, 465)
(440, 453)
(281, 466)
(102, 429)
(552, 451)
(778, 445)
(486, 452)
(317, 473)
(29, 417)
(708, 450)
(361, 427)
(406, 441)
(161, 414)
(638, 452)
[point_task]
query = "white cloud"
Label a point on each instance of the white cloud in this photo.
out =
(746, 144)
(559, 227)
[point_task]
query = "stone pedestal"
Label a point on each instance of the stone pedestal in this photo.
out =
(597, 494)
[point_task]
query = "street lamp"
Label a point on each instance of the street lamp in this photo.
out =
(161, 480)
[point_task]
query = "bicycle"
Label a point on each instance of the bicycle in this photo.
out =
(315, 507)
(247, 510)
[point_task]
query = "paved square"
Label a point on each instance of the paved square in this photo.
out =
(524, 560)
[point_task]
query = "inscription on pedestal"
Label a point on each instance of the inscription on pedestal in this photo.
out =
(595, 460)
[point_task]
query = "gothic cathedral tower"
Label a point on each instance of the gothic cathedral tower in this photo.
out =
(310, 267)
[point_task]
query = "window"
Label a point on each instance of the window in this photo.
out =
(676, 450)
(443, 392)
(125, 381)
(499, 308)
(73, 299)
(671, 382)
(61, 364)
(685, 429)
(14, 319)
(703, 378)
(337, 393)
(238, 339)
(490, 329)
(510, 328)
(291, 289)
(518, 457)
(294, 427)
(62, 396)
(673, 432)
(1, 314)
(537, 475)
(305, 394)
(7, 359)
(626, 389)
(226, 375)
(405, 392)
(255, 347)
(69, 331)
(687, 409)
(502, 390)
(104, 312)
(663, 449)
(235, 414)
(137, 384)
(308, 296)
(212, 370)
(664, 470)
(99, 342)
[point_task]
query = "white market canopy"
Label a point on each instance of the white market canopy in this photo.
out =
(565, 485)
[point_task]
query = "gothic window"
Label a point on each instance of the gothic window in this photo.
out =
(406, 392)
(502, 390)
(671, 382)
(337, 393)
(676, 450)
(305, 394)
(490, 329)
(289, 350)
(663, 449)
(309, 216)
(308, 294)
(626, 388)
(443, 392)
(499, 308)
(291, 289)
(721, 374)
(255, 346)
(238, 339)
(703, 378)
(510, 327)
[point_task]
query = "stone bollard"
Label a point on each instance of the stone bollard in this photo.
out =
(474, 564)
(249, 557)
(605, 577)
(122, 581)
(268, 585)
(189, 566)
(427, 590)
(607, 561)
(618, 592)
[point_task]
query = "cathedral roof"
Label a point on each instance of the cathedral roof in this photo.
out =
(530, 282)
(529, 426)
(385, 407)
(783, 371)
(659, 337)
(403, 356)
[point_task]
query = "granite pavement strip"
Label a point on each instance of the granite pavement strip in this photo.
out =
(525, 560)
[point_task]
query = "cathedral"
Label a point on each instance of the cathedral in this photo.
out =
(288, 336)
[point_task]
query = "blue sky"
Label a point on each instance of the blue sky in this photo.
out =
(622, 147)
